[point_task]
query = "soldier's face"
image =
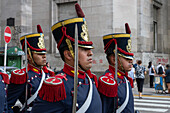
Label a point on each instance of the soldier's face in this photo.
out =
(126, 63)
(39, 58)
(85, 58)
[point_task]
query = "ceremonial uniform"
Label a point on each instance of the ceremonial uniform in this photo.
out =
(116, 95)
(34, 77)
(4, 80)
(109, 88)
(16, 88)
(56, 94)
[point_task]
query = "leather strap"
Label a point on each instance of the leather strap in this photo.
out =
(122, 107)
(36, 93)
(87, 103)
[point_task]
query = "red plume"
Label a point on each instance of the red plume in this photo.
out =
(79, 11)
(127, 28)
(39, 30)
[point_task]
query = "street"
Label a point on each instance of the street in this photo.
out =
(151, 102)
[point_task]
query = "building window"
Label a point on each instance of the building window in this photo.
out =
(155, 28)
(155, 36)
(65, 10)
(157, 4)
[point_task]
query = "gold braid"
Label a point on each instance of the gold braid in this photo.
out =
(120, 64)
(29, 53)
(70, 47)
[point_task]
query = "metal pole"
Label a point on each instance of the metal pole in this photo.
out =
(5, 57)
(116, 66)
(116, 62)
(75, 70)
(26, 66)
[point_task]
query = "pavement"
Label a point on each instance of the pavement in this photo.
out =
(147, 91)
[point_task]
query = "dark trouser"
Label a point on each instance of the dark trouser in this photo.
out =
(140, 82)
(151, 81)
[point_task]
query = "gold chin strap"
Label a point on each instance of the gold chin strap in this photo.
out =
(29, 53)
(71, 50)
(70, 47)
(121, 65)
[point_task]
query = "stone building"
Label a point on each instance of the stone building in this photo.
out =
(149, 21)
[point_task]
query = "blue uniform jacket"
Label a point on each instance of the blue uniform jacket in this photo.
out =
(4, 80)
(16, 88)
(64, 105)
(109, 89)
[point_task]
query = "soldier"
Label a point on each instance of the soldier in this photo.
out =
(33, 78)
(4, 80)
(110, 88)
(56, 94)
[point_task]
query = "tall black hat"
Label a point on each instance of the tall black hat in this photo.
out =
(64, 32)
(123, 41)
(35, 41)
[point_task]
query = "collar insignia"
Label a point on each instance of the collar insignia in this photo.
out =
(73, 72)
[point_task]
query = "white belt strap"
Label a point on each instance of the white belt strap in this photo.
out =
(35, 94)
(86, 104)
(29, 109)
(122, 107)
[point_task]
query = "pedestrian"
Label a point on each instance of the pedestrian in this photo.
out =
(161, 73)
(55, 70)
(33, 77)
(152, 72)
(160, 70)
(4, 81)
(131, 73)
(56, 94)
(135, 64)
(110, 88)
(167, 78)
(48, 65)
(140, 72)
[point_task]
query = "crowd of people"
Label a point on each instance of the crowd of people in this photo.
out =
(40, 90)
(158, 75)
